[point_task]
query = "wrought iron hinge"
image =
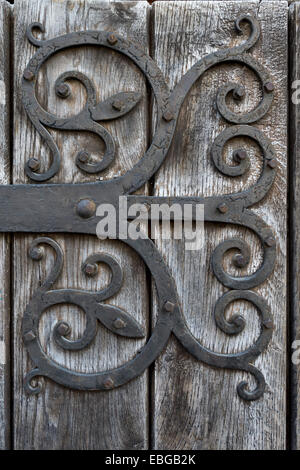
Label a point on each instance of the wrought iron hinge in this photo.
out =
(71, 208)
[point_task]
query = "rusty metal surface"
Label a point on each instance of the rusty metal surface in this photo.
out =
(71, 208)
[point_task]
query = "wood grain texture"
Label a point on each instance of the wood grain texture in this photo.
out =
(5, 23)
(294, 23)
(195, 406)
(239, 1)
(59, 418)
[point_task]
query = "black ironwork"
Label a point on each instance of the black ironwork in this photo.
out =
(71, 208)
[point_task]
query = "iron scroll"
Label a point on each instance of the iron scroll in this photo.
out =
(59, 214)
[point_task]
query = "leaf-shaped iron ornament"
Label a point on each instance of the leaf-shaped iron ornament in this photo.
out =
(113, 318)
(77, 208)
(119, 322)
(114, 107)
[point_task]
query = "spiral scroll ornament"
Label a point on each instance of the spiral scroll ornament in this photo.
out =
(230, 208)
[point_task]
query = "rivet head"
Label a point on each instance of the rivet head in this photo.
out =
(28, 75)
(83, 156)
(91, 269)
(63, 328)
(36, 253)
(112, 39)
(169, 306)
(63, 90)
(168, 116)
(108, 383)
(86, 208)
(29, 336)
(223, 208)
(238, 94)
(272, 163)
(119, 323)
(34, 164)
(270, 241)
(118, 105)
(239, 260)
(239, 155)
(269, 87)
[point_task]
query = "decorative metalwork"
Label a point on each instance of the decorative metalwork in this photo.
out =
(71, 208)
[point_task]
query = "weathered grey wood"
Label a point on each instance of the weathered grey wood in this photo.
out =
(5, 23)
(240, 1)
(59, 418)
(294, 15)
(195, 406)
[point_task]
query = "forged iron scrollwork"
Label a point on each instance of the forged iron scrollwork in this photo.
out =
(230, 208)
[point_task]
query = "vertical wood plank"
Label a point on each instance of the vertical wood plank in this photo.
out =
(59, 418)
(195, 406)
(294, 18)
(5, 23)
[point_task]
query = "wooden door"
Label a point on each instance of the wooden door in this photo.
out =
(201, 311)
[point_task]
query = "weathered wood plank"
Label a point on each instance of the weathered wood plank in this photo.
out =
(294, 15)
(59, 418)
(5, 23)
(240, 1)
(195, 406)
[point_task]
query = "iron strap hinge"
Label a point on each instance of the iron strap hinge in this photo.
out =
(54, 208)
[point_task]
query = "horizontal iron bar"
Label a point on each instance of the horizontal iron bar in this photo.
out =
(53, 208)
